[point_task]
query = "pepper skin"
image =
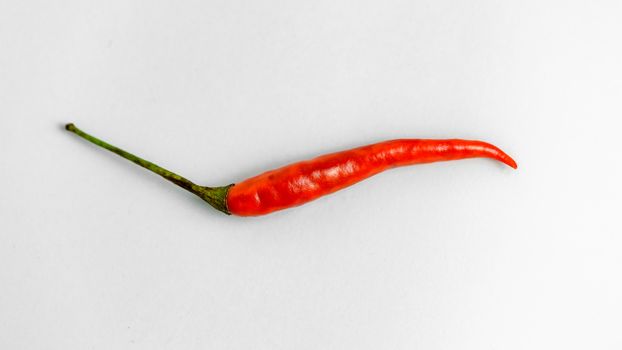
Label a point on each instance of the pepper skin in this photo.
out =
(301, 182)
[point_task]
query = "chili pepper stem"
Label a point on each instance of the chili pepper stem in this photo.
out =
(215, 196)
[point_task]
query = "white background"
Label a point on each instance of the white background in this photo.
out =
(96, 253)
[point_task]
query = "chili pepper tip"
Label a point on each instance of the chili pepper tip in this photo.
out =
(511, 163)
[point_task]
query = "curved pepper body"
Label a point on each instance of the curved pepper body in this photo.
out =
(302, 182)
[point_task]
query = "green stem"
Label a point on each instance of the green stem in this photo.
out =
(215, 196)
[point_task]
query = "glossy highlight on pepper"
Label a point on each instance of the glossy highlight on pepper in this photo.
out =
(302, 182)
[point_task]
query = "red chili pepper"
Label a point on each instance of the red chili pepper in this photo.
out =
(301, 182)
